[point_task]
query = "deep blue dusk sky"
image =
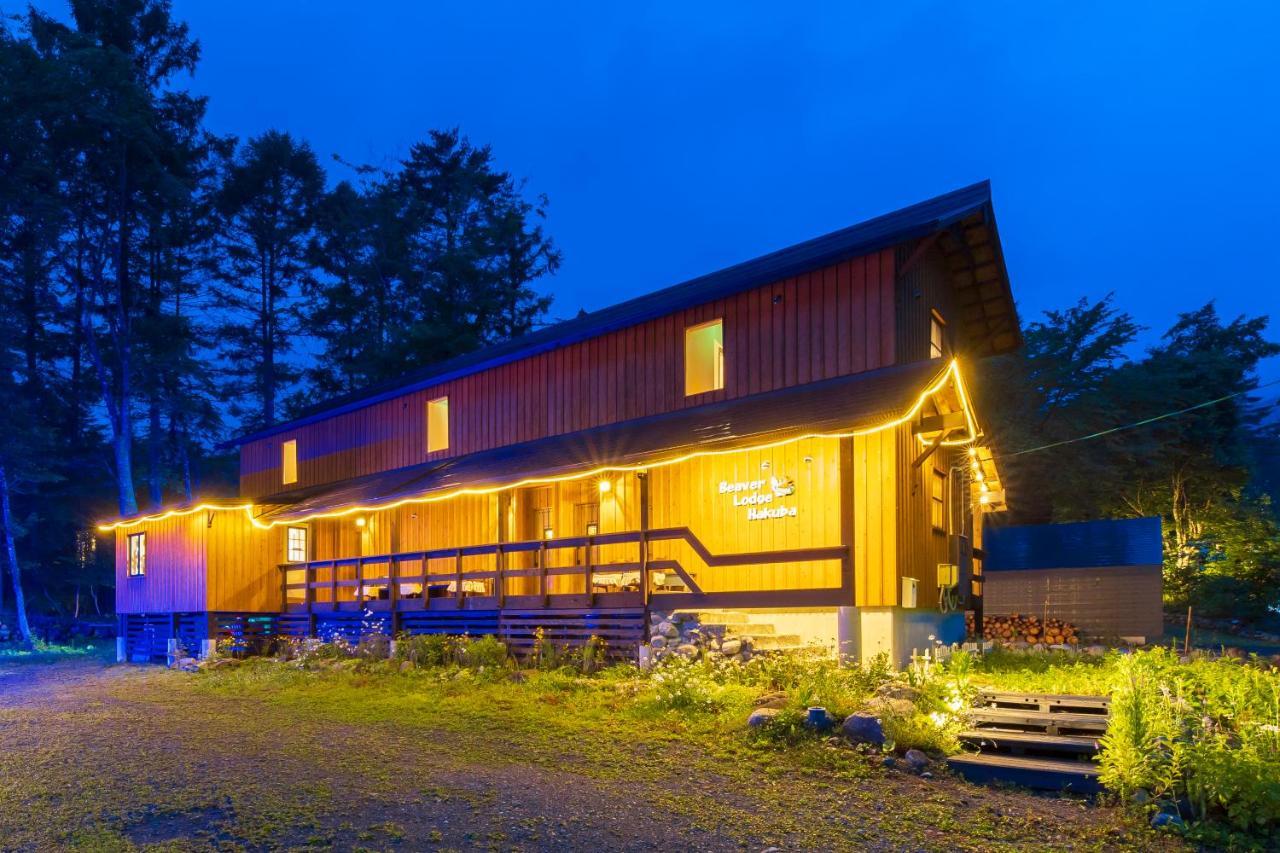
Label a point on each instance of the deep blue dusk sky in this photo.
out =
(1132, 146)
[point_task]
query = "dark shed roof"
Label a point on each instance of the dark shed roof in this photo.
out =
(956, 212)
(1084, 544)
(833, 405)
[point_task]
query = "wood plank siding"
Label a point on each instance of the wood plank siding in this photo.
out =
(174, 577)
(830, 322)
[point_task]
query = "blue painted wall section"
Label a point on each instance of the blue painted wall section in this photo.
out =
(1084, 544)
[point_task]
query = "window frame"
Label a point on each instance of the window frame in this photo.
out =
(289, 461)
(938, 500)
(434, 406)
(937, 323)
(289, 543)
(136, 558)
(718, 365)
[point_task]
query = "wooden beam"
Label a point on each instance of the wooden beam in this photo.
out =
(943, 423)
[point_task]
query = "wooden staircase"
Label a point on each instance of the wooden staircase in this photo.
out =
(1037, 740)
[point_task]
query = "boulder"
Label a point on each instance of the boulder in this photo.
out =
(916, 760)
(658, 641)
(668, 630)
(772, 700)
(761, 716)
(895, 690)
(731, 647)
(863, 728)
(687, 649)
(881, 706)
(1095, 650)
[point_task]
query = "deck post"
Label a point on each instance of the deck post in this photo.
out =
(643, 477)
(359, 583)
(586, 574)
(393, 596)
(541, 557)
(333, 585)
(500, 582)
(457, 574)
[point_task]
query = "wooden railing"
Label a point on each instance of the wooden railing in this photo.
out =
(460, 587)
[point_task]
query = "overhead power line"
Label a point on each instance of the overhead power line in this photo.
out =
(1142, 422)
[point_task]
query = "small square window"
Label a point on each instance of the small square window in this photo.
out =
(704, 358)
(137, 560)
(938, 501)
(296, 545)
(289, 461)
(937, 335)
(438, 424)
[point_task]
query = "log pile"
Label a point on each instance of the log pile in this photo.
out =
(1020, 628)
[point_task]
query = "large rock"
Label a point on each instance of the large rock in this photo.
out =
(896, 690)
(762, 716)
(731, 647)
(863, 728)
(668, 630)
(658, 641)
(772, 700)
(916, 760)
(689, 650)
(884, 707)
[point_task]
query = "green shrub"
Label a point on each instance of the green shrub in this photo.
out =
(484, 653)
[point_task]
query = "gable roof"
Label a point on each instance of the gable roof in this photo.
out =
(970, 242)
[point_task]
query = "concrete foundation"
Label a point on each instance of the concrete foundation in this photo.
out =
(897, 632)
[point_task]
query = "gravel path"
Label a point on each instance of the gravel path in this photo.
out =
(104, 757)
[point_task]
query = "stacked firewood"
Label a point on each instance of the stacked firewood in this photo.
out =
(1022, 628)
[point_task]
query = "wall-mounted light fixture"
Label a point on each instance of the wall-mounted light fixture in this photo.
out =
(360, 521)
(605, 485)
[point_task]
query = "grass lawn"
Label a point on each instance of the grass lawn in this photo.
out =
(265, 756)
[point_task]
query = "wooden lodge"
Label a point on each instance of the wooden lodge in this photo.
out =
(790, 437)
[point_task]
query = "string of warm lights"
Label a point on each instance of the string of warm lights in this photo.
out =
(950, 374)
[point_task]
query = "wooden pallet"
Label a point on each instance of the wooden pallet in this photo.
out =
(1058, 723)
(1040, 773)
(1045, 702)
(1030, 743)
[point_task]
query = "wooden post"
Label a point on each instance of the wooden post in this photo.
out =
(643, 477)
(333, 585)
(586, 575)
(1186, 642)
(359, 583)
(541, 556)
(393, 595)
(504, 535)
(457, 574)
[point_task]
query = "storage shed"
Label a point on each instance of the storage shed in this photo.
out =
(1102, 576)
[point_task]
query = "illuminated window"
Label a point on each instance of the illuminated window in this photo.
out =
(438, 424)
(295, 550)
(704, 358)
(289, 461)
(938, 501)
(937, 335)
(137, 554)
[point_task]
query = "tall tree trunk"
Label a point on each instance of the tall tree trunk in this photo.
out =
(155, 478)
(11, 554)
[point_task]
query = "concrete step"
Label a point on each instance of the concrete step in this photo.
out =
(777, 642)
(721, 629)
(1044, 774)
(735, 617)
(1030, 743)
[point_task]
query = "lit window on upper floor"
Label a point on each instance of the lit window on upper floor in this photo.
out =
(289, 461)
(937, 335)
(704, 358)
(438, 424)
